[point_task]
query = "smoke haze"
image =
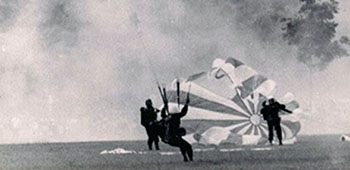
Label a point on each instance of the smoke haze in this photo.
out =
(80, 70)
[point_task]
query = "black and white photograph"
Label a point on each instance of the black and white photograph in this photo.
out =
(174, 84)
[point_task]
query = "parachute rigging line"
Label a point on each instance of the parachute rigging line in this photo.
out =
(178, 92)
(189, 90)
(150, 66)
(165, 100)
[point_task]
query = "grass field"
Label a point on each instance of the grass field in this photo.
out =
(310, 152)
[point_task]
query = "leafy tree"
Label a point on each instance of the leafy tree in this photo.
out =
(312, 31)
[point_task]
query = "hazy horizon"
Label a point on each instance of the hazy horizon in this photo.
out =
(78, 70)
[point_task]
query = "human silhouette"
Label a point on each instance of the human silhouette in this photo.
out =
(270, 112)
(170, 131)
(149, 120)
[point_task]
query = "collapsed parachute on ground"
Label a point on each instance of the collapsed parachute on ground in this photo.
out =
(225, 105)
(344, 138)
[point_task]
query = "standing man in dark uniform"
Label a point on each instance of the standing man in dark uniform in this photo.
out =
(270, 113)
(148, 120)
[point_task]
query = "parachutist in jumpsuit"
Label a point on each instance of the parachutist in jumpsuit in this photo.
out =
(148, 120)
(173, 132)
(270, 114)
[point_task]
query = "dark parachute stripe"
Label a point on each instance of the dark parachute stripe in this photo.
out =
(252, 107)
(263, 133)
(255, 130)
(292, 105)
(251, 84)
(202, 103)
(263, 126)
(234, 62)
(293, 126)
(233, 139)
(284, 133)
(201, 125)
(240, 127)
(250, 129)
(262, 98)
(238, 100)
(223, 73)
(195, 76)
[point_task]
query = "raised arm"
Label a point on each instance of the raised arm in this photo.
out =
(185, 108)
(184, 111)
(283, 107)
(164, 110)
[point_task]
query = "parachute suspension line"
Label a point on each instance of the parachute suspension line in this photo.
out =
(189, 90)
(150, 65)
(178, 92)
(238, 93)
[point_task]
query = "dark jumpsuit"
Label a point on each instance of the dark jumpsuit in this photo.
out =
(172, 134)
(270, 114)
(148, 119)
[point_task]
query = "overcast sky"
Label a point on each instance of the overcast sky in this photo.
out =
(79, 70)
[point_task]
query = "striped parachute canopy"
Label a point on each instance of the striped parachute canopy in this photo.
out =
(225, 105)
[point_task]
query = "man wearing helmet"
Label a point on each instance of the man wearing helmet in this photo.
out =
(148, 120)
(270, 112)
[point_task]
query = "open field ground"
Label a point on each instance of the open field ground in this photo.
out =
(310, 152)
